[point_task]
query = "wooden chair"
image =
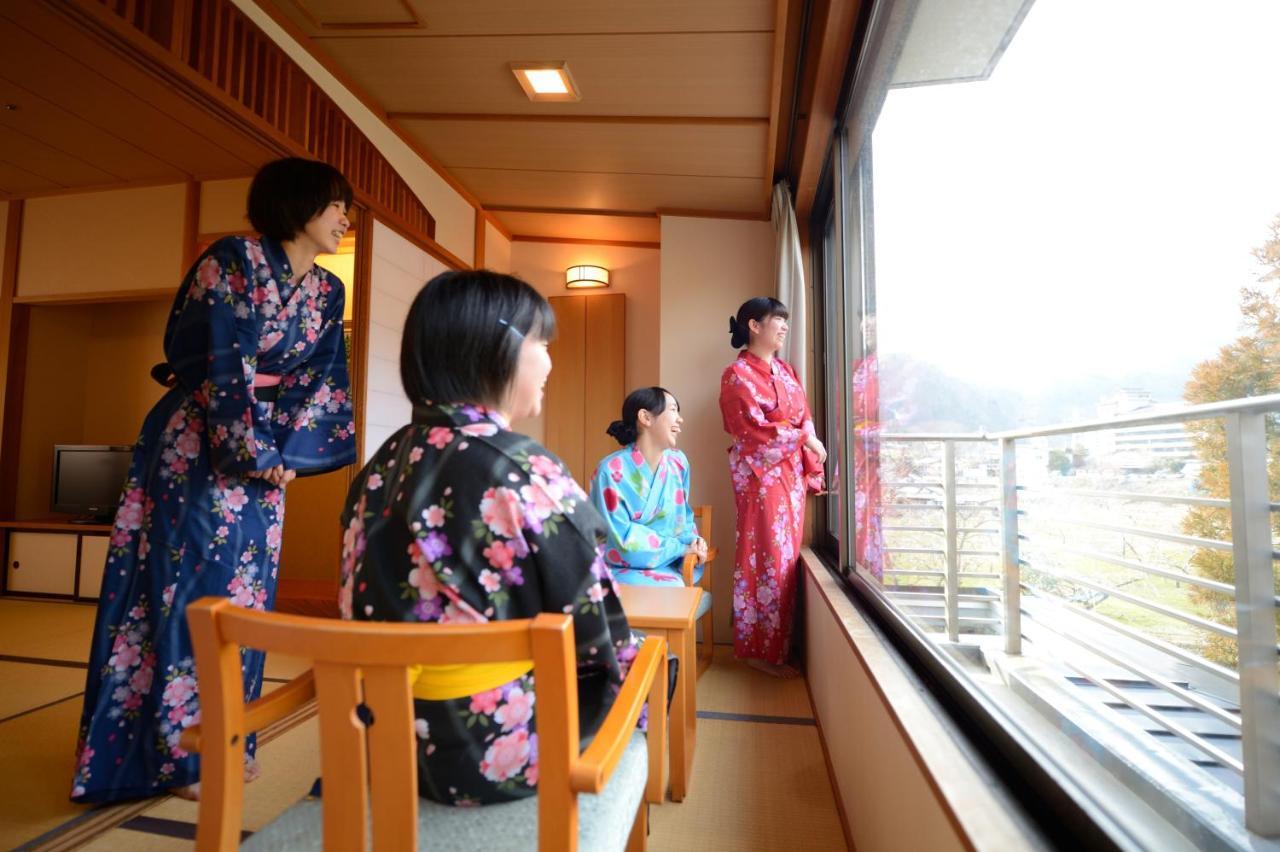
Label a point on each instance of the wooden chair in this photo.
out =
(702, 515)
(370, 772)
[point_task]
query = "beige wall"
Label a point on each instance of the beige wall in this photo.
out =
(398, 272)
(497, 250)
(709, 268)
(632, 272)
(95, 242)
(455, 217)
(222, 206)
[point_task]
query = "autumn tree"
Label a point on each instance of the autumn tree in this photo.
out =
(1249, 366)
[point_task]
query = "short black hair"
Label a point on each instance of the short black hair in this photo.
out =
(759, 309)
(463, 334)
(651, 399)
(287, 194)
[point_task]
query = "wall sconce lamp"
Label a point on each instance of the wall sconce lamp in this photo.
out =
(586, 277)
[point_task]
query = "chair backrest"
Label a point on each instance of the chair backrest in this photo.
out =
(367, 663)
(702, 517)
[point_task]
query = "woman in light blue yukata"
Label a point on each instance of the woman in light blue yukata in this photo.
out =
(642, 490)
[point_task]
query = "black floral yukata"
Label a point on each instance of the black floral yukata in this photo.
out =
(456, 519)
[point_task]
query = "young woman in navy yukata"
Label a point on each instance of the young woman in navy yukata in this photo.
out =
(458, 519)
(257, 370)
(642, 490)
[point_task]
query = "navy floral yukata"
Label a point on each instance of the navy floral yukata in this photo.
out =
(456, 519)
(190, 522)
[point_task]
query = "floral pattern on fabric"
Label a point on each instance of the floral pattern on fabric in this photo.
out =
(648, 516)
(189, 522)
(765, 412)
(456, 519)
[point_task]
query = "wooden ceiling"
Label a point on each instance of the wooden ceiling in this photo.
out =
(679, 110)
(75, 115)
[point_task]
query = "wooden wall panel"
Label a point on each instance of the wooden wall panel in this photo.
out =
(588, 379)
(605, 386)
(564, 403)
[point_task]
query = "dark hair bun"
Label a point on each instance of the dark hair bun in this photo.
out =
(739, 335)
(621, 432)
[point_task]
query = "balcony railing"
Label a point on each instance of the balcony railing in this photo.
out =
(1025, 555)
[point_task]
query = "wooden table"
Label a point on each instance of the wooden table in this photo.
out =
(669, 611)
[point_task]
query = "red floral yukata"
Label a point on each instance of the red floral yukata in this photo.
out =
(765, 411)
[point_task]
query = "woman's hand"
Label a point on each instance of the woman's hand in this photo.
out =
(277, 475)
(816, 446)
(699, 549)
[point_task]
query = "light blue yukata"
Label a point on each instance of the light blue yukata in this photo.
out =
(648, 516)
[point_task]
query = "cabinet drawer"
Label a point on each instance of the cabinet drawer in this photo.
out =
(93, 559)
(41, 562)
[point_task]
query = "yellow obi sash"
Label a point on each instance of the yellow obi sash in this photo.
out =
(441, 683)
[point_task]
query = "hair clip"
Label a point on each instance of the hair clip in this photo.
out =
(517, 331)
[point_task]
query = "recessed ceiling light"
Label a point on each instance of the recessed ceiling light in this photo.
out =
(546, 81)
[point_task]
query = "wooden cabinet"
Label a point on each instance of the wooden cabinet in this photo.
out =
(93, 560)
(588, 379)
(54, 559)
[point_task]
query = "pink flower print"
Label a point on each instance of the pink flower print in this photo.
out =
(125, 656)
(541, 500)
(654, 541)
(208, 276)
(274, 536)
(637, 458)
(167, 594)
(141, 680)
(439, 437)
(479, 430)
(486, 702)
(374, 482)
(167, 769)
(500, 555)
(120, 537)
(500, 510)
(86, 755)
(253, 249)
(179, 691)
(433, 516)
(596, 593)
(415, 455)
(188, 444)
(506, 757)
(424, 579)
(531, 773)
(614, 556)
(491, 580)
(130, 516)
(460, 612)
(544, 466)
(679, 497)
(179, 465)
(518, 710)
(133, 702)
(236, 498)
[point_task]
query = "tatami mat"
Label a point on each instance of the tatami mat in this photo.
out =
(25, 686)
(729, 686)
(37, 752)
(756, 787)
(45, 629)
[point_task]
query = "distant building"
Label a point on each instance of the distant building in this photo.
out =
(1140, 447)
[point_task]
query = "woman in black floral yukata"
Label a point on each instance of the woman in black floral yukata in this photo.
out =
(457, 519)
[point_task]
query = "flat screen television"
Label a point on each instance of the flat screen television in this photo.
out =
(87, 479)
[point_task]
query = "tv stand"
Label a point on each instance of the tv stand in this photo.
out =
(57, 557)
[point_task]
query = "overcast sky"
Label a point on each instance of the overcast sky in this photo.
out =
(1092, 206)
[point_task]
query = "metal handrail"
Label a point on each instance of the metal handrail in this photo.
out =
(1213, 585)
(1245, 423)
(1193, 620)
(1132, 496)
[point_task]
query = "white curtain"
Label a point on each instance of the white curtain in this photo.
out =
(789, 272)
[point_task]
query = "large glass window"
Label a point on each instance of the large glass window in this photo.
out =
(1068, 211)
